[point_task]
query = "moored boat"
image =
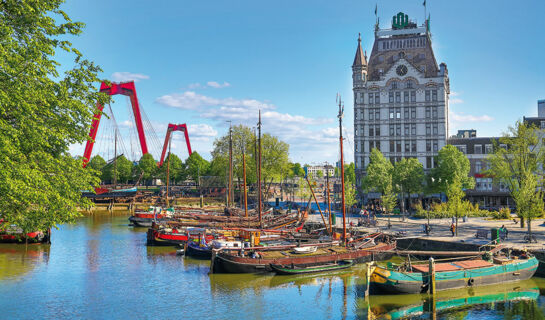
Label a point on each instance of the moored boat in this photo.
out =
(260, 259)
(198, 250)
(455, 274)
(14, 234)
(174, 236)
(294, 269)
(146, 218)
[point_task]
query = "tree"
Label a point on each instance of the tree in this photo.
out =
(379, 178)
(297, 170)
(43, 112)
(408, 177)
(176, 170)
(451, 163)
(97, 163)
(517, 158)
(197, 166)
(147, 167)
(451, 176)
(350, 173)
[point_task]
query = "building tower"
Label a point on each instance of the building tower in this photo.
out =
(400, 96)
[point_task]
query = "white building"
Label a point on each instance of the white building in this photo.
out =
(325, 170)
(400, 96)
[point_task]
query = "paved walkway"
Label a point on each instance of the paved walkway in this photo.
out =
(466, 230)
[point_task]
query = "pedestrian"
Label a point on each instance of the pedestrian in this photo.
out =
(453, 229)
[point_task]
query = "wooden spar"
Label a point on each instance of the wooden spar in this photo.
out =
(436, 253)
(328, 202)
(244, 184)
(230, 194)
(168, 167)
(259, 170)
(315, 200)
(341, 107)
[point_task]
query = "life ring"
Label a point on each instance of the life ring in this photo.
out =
(471, 281)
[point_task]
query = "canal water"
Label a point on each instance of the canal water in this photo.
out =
(101, 268)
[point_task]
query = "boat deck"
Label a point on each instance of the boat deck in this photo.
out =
(289, 253)
(453, 266)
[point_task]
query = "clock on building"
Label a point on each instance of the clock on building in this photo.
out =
(401, 70)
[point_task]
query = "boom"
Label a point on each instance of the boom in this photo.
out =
(174, 127)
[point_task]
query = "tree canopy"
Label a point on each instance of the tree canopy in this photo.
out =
(147, 167)
(197, 166)
(43, 112)
(451, 164)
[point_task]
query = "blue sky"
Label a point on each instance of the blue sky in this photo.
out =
(206, 62)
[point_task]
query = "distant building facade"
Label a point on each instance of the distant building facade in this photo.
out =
(325, 170)
(400, 96)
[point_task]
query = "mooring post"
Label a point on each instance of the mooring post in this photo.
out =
(432, 276)
(214, 252)
(201, 201)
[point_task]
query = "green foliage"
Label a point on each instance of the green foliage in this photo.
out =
(350, 173)
(452, 167)
(297, 170)
(379, 173)
(389, 199)
(319, 173)
(43, 112)
(408, 175)
(442, 210)
(502, 214)
(147, 167)
(196, 166)
(97, 163)
(350, 194)
(177, 170)
(516, 166)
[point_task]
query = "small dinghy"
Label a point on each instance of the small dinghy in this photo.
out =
(309, 249)
(295, 269)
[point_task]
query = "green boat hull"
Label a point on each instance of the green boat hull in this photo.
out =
(278, 269)
(390, 281)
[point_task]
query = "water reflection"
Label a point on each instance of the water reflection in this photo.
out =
(16, 260)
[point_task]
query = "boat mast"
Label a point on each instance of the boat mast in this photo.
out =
(168, 167)
(259, 170)
(115, 158)
(244, 182)
(340, 116)
(230, 196)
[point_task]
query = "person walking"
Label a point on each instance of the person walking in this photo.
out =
(453, 229)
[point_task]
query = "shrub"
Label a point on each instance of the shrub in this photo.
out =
(502, 214)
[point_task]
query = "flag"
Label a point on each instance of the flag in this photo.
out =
(375, 9)
(424, 3)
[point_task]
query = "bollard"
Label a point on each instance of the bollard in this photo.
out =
(431, 272)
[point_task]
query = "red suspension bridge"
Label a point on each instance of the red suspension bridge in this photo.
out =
(128, 89)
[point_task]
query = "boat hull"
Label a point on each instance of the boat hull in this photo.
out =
(278, 269)
(230, 263)
(389, 281)
(144, 222)
(195, 251)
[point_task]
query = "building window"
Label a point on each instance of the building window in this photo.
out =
(370, 98)
(428, 145)
(413, 96)
(413, 112)
(406, 96)
(435, 131)
(409, 84)
(391, 113)
(435, 146)
(413, 146)
(398, 113)
(428, 112)
(392, 146)
(391, 130)
(427, 95)
(394, 85)
(398, 97)
(407, 146)
(488, 148)
(406, 129)
(371, 114)
(377, 98)
(377, 114)
(398, 146)
(428, 162)
(406, 113)
(413, 129)
(371, 131)
(398, 129)
(391, 97)
(434, 95)
(478, 149)
(428, 129)
(371, 145)
(434, 112)
(377, 131)
(462, 148)
(478, 167)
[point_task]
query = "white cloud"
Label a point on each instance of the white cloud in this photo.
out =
(201, 130)
(128, 76)
(194, 85)
(456, 101)
(454, 93)
(191, 100)
(214, 84)
(461, 117)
